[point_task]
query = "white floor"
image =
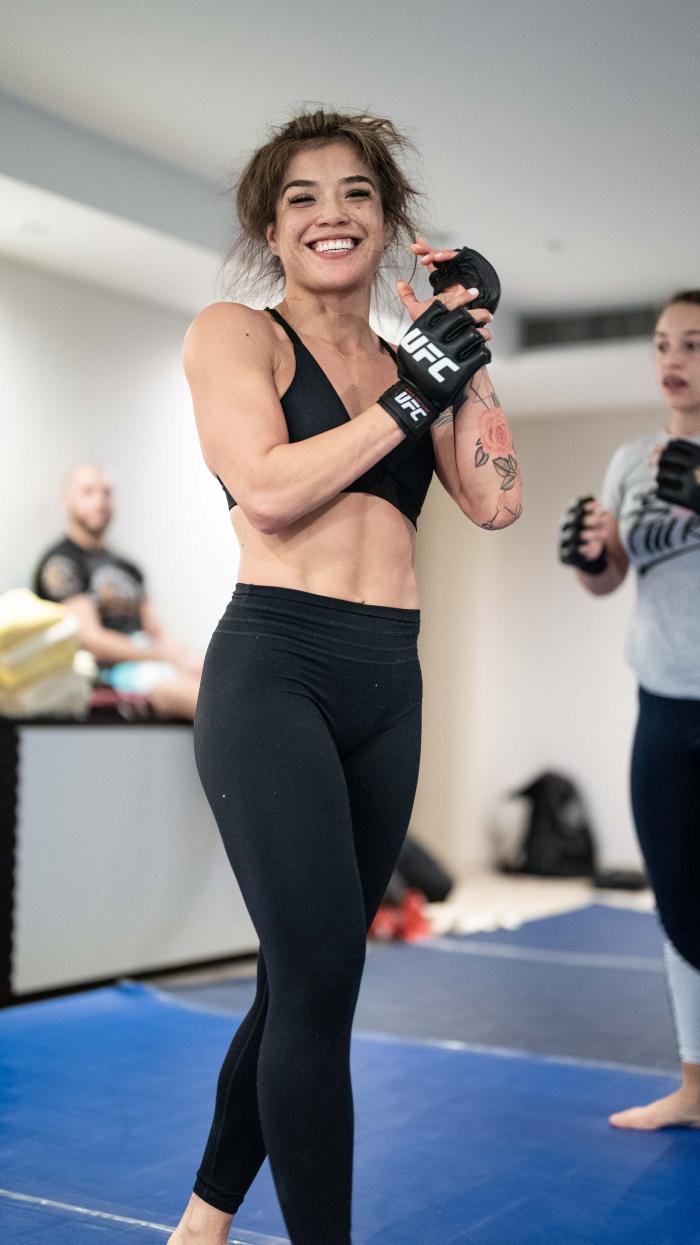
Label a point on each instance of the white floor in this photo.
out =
(485, 901)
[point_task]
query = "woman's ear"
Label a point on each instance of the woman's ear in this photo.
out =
(270, 235)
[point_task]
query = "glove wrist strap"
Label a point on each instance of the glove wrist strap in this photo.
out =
(596, 566)
(412, 412)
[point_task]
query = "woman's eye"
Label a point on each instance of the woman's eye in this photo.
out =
(353, 194)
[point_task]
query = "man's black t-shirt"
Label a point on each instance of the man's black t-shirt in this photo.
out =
(115, 586)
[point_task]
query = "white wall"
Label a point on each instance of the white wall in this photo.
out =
(523, 669)
(87, 374)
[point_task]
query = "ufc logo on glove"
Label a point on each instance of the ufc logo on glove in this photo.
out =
(421, 392)
(417, 344)
(411, 405)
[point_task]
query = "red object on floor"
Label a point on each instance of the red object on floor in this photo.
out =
(405, 923)
(386, 923)
(414, 925)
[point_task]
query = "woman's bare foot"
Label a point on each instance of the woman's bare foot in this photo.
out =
(680, 1109)
(201, 1224)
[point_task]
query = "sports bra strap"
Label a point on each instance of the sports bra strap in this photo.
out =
(296, 340)
(293, 337)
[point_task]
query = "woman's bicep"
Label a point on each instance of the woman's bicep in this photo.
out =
(229, 366)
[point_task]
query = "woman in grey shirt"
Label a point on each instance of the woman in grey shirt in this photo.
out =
(649, 518)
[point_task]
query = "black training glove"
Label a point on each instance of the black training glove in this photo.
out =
(470, 269)
(678, 478)
(436, 357)
(570, 534)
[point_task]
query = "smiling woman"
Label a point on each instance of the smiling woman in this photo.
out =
(378, 144)
(307, 735)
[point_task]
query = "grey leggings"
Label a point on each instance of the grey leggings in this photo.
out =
(684, 988)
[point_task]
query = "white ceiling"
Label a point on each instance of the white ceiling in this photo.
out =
(50, 231)
(561, 138)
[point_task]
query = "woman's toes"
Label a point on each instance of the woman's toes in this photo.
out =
(672, 1111)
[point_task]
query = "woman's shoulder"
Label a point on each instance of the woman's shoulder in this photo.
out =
(230, 316)
(630, 453)
(233, 326)
(631, 468)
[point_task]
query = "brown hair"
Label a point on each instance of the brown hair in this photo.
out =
(683, 296)
(250, 262)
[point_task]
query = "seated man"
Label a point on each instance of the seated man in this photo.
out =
(107, 596)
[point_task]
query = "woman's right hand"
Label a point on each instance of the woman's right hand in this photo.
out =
(598, 532)
(454, 296)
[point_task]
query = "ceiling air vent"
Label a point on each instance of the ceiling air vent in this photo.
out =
(575, 328)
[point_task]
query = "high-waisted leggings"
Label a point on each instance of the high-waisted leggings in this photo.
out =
(666, 804)
(307, 741)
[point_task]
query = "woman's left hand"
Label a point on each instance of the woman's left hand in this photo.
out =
(453, 296)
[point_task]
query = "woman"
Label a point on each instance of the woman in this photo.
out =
(308, 724)
(650, 518)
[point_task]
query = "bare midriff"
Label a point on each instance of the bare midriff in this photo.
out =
(357, 547)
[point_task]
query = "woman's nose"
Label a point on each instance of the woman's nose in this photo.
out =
(332, 212)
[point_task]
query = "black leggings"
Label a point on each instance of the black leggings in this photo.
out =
(666, 804)
(307, 741)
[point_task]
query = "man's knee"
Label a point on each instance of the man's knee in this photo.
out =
(175, 697)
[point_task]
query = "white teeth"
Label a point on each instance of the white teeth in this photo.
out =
(333, 244)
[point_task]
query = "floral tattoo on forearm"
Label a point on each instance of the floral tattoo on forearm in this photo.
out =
(494, 444)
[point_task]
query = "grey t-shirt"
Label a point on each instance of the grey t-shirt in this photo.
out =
(663, 544)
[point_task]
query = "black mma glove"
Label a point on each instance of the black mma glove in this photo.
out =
(570, 534)
(678, 477)
(436, 358)
(470, 269)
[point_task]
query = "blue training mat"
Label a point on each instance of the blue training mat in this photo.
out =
(545, 988)
(106, 1100)
(595, 928)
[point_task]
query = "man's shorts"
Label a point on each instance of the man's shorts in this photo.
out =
(137, 677)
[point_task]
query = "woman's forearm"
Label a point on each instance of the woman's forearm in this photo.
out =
(296, 478)
(487, 467)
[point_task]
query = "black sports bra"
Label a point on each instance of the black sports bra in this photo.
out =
(311, 405)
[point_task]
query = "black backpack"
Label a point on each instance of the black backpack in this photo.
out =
(558, 841)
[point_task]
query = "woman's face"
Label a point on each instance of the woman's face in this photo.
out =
(677, 345)
(329, 232)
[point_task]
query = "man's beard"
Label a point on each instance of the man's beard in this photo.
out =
(94, 530)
